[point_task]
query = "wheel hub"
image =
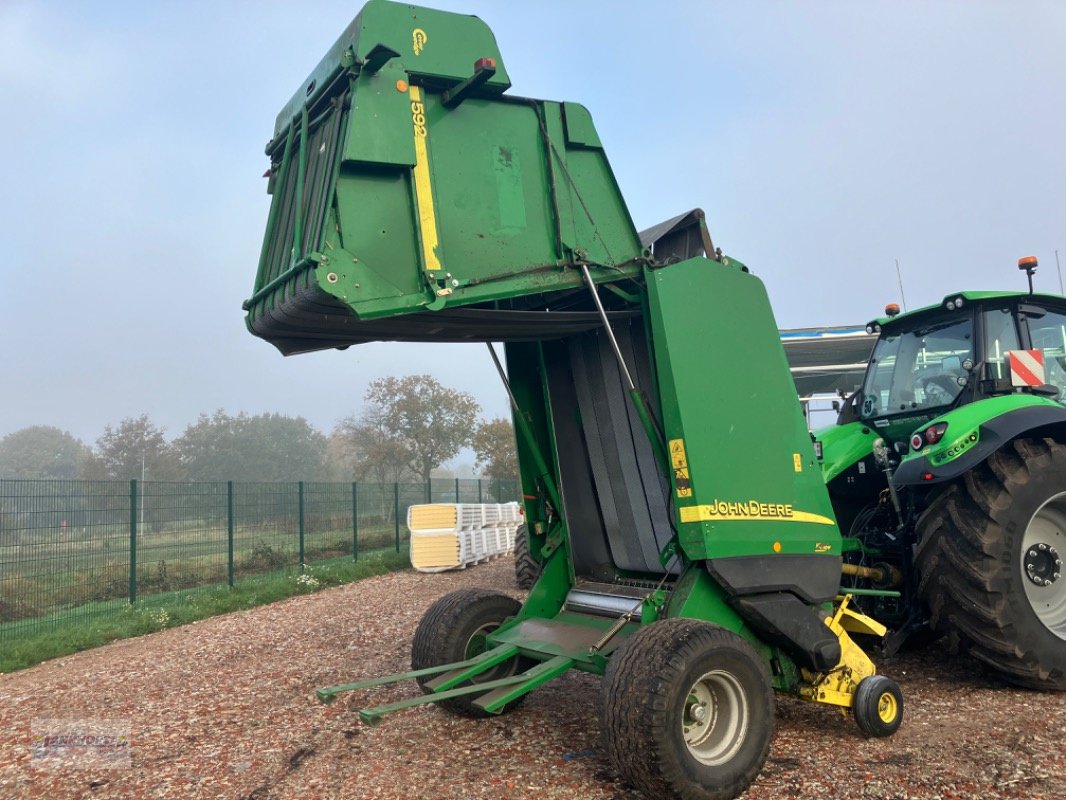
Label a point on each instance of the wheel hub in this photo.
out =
(714, 720)
(1040, 564)
(1043, 565)
(887, 708)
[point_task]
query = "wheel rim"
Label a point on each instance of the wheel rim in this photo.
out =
(715, 719)
(478, 644)
(887, 708)
(1042, 552)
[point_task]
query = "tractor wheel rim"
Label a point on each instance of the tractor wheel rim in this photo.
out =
(715, 718)
(887, 708)
(1040, 564)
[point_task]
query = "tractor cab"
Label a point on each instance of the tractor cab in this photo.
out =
(934, 359)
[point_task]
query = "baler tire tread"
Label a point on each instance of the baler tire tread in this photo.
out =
(640, 736)
(526, 568)
(443, 633)
(965, 537)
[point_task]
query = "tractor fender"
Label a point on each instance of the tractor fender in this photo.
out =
(1035, 420)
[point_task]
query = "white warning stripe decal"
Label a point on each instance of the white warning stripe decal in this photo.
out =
(1027, 368)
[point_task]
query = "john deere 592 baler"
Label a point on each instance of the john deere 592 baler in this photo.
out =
(690, 553)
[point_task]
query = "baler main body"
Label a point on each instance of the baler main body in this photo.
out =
(666, 465)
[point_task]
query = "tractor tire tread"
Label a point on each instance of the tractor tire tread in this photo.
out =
(962, 549)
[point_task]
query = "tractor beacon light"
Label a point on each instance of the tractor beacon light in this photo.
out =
(1028, 264)
(892, 310)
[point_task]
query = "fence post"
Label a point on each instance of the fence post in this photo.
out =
(229, 531)
(429, 490)
(457, 490)
(133, 541)
(479, 491)
(396, 512)
(355, 521)
(301, 511)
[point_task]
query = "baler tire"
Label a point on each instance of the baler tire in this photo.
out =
(970, 556)
(452, 630)
(655, 683)
(526, 568)
(878, 706)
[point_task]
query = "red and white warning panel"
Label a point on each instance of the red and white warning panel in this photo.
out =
(1027, 368)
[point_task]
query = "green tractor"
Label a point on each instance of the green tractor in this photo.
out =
(947, 471)
(686, 543)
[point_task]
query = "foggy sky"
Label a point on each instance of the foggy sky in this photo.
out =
(824, 140)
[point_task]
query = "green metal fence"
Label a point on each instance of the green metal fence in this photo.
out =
(76, 549)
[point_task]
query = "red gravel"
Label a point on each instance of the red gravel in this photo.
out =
(224, 709)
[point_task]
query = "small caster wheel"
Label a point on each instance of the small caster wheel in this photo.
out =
(878, 707)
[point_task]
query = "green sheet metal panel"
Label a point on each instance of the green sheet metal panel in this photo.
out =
(389, 200)
(745, 477)
(436, 47)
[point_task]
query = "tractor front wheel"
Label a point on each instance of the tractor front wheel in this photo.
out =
(990, 556)
(456, 628)
(687, 710)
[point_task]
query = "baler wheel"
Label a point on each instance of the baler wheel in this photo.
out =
(455, 629)
(990, 555)
(526, 568)
(687, 711)
(878, 706)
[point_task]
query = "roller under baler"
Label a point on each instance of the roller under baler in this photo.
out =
(690, 553)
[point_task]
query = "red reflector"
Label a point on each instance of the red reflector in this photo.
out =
(927, 476)
(484, 63)
(917, 441)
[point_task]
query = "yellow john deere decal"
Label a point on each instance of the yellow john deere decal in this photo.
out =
(427, 214)
(753, 510)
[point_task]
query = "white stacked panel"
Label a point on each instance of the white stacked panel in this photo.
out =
(454, 535)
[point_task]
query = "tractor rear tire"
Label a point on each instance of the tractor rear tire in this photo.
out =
(687, 711)
(983, 545)
(526, 568)
(454, 629)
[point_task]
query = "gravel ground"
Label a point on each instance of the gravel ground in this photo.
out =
(224, 709)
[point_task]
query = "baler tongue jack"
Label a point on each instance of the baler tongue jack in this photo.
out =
(495, 694)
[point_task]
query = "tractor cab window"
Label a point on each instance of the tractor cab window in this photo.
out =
(1047, 332)
(1001, 336)
(918, 369)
